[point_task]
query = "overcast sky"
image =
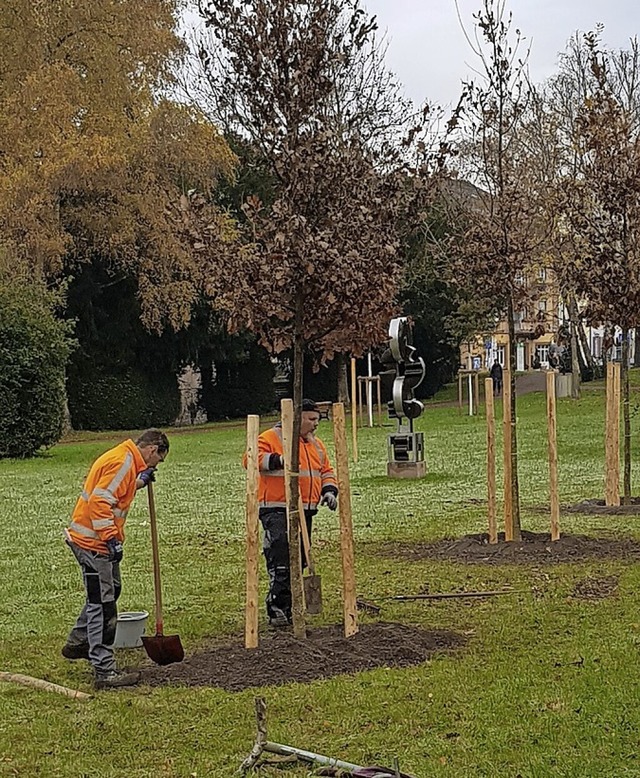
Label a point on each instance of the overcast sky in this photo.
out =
(430, 56)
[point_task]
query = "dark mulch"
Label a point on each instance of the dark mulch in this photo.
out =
(282, 659)
(598, 508)
(596, 588)
(535, 548)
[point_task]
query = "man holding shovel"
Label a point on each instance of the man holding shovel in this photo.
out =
(95, 536)
(318, 486)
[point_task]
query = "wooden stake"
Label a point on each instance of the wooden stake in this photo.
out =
(508, 474)
(380, 419)
(612, 436)
(297, 587)
(554, 500)
(459, 393)
(491, 460)
(354, 418)
(253, 535)
(46, 686)
(476, 392)
(346, 523)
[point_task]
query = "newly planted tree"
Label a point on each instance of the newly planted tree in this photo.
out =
(322, 266)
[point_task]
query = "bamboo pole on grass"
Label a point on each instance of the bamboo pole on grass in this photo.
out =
(346, 523)
(554, 500)
(612, 436)
(508, 473)
(253, 536)
(491, 460)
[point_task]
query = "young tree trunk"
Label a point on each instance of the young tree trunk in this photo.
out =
(626, 417)
(515, 491)
(343, 382)
(636, 350)
(295, 569)
(575, 362)
(584, 344)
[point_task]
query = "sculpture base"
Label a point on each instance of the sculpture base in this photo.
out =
(406, 469)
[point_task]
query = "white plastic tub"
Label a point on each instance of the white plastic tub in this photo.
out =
(130, 629)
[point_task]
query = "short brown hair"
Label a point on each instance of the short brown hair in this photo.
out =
(154, 437)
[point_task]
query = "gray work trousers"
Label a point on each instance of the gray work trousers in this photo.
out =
(96, 624)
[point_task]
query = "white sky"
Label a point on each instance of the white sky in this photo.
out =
(430, 56)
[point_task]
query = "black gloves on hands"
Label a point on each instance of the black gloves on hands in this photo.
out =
(330, 500)
(148, 476)
(114, 547)
(276, 462)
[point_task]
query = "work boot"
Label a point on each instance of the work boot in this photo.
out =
(115, 679)
(75, 651)
(278, 619)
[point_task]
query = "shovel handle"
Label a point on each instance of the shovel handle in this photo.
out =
(306, 540)
(156, 559)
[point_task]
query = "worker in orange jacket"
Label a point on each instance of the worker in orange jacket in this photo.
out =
(95, 536)
(318, 486)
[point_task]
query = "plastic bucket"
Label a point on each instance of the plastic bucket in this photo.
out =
(130, 629)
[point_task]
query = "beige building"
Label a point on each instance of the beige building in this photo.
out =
(536, 328)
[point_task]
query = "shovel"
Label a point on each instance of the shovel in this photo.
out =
(161, 649)
(312, 582)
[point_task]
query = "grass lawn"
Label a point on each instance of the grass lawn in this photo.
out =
(548, 684)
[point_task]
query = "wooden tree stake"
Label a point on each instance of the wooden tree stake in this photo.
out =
(554, 500)
(508, 473)
(491, 461)
(354, 404)
(346, 522)
(295, 570)
(612, 436)
(253, 535)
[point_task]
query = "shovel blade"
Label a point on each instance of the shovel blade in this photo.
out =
(163, 649)
(313, 593)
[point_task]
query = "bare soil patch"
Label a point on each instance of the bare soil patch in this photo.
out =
(598, 508)
(596, 588)
(282, 659)
(535, 548)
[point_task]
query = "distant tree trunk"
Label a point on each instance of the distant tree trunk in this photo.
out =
(575, 362)
(295, 568)
(343, 383)
(627, 417)
(636, 349)
(515, 491)
(584, 343)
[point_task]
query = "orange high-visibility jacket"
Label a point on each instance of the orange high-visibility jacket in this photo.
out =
(102, 508)
(316, 473)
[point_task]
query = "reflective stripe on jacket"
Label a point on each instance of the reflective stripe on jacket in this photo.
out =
(109, 489)
(316, 473)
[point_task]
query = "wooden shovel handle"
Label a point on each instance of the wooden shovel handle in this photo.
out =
(306, 540)
(156, 559)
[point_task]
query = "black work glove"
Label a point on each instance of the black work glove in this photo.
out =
(147, 476)
(276, 462)
(114, 547)
(330, 500)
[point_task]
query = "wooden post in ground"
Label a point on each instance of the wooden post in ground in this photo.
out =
(346, 523)
(508, 473)
(354, 402)
(554, 500)
(459, 392)
(491, 461)
(297, 588)
(253, 535)
(380, 419)
(476, 391)
(612, 436)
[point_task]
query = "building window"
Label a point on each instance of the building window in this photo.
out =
(596, 346)
(542, 274)
(500, 355)
(542, 352)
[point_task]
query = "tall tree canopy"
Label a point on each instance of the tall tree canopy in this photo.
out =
(92, 160)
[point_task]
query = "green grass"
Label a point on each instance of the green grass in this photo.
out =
(548, 685)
